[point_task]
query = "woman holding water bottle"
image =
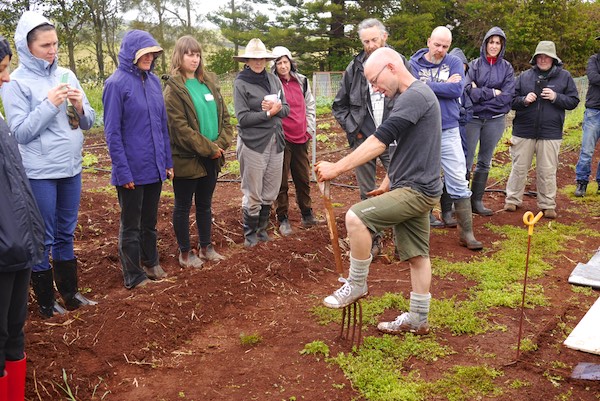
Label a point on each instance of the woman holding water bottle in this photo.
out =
(47, 110)
(259, 107)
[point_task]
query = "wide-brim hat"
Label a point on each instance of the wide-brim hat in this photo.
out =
(255, 49)
(146, 50)
(546, 47)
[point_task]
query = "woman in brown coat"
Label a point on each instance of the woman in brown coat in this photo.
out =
(200, 132)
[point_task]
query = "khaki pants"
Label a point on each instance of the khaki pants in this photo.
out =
(546, 153)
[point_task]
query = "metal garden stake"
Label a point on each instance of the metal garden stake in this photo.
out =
(529, 221)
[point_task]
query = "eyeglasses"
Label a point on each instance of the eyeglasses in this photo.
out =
(374, 80)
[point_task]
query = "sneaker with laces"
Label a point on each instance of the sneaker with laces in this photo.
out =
(155, 272)
(210, 254)
(192, 261)
(402, 325)
(346, 295)
(285, 228)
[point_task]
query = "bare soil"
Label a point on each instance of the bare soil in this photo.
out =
(180, 338)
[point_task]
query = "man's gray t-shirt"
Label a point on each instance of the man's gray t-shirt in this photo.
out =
(414, 127)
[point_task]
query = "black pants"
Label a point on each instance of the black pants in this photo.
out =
(137, 234)
(201, 189)
(14, 291)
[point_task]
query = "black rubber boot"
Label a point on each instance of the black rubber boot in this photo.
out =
(263, 223)
(434, 222)
(446, 205)
(65, 277)
(43, 288)
(478, 188)
(465, 225)
(250, 228)
(581, 188)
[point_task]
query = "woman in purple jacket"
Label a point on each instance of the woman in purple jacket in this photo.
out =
(135, 126)
(490, 83)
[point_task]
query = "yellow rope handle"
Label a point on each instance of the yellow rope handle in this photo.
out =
(530, 221)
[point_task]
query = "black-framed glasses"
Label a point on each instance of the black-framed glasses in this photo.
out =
(373, 82)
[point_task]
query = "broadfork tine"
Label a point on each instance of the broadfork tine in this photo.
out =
(350, 311)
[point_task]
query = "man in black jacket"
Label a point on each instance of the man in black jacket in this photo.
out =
(591, 127)
(542, 94)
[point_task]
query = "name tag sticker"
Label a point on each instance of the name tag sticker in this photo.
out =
(209, 97)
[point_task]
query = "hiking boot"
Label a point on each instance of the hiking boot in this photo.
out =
(284, 227)
(155, 272)
(346, 295)
(581, 188)
(401, 325)
(192, 261)
(509, 207)
(309, 220)
(210, 254)
(549, 213)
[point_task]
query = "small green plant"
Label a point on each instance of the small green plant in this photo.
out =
(324, 126)
(89, 160)
(231, 167)
(250, 340)
(527, 344)
(66, 388)
(517, 384)
(553, 378)
(316, 348)
(323, 138)
(181, 394)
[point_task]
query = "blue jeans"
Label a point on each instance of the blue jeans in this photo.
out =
(58, 201)
(137, 234)
(202, 190)
(589, 139)
(453, 165)
(487, 133)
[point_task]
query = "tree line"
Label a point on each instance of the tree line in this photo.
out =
(322, 32)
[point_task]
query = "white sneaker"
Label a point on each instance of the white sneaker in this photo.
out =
(402, 325)
(346, 295)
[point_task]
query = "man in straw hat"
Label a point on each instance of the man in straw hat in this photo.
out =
(542, 94)
(260, 105)
(591, 127)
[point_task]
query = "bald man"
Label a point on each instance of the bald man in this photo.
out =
(444, 74)
(411, 188)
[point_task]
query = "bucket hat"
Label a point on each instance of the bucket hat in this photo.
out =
(546, 47)
(146, 50)
(280, 51)
(255, 49)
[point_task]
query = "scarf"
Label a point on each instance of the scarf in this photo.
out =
(247, 75)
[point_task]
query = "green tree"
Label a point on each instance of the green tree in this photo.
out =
(221, 61)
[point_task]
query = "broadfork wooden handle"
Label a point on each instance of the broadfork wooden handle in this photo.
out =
(325, 186)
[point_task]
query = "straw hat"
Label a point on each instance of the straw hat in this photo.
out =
(546, 47)
(146, 50)
(255, 49)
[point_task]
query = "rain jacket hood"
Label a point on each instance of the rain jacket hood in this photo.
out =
(27, 23)
(132, 42)
(494, 31)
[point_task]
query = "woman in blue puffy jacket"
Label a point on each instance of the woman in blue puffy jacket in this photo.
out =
(490, 84)
(135, 126)
(47, 110)
(21, 246)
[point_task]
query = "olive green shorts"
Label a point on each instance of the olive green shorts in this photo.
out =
(407, 211)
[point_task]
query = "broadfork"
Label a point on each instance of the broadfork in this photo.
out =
(349, 311)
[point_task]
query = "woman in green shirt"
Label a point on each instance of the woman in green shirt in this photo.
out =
(200, 132)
